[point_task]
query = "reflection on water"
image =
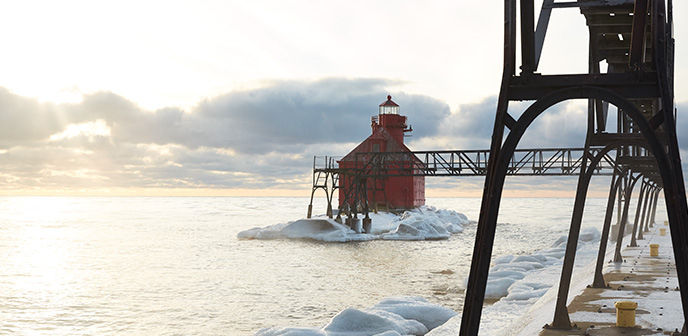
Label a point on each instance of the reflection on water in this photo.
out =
(156, 266)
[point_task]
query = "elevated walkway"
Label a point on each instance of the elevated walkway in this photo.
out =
(524, 162)
(374, 166)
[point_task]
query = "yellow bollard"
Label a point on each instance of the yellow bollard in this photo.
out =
(654, 250)
(625, 313)
(666, 223)
(662, 232)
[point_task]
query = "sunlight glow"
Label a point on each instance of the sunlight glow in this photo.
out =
(89, 129)
(40, 250)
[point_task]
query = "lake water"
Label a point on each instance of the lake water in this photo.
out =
(173, 266)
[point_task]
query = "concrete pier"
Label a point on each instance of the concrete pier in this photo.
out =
(650, 281)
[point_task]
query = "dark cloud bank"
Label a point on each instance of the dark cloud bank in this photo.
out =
(260, 138)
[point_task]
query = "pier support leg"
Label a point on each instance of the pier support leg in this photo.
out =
(493, 187)
(624, 218)
(650, 205)
(654, 207)
(367, 224)
(561, 313)
(636, 228)
(643, 216)
(598, 280)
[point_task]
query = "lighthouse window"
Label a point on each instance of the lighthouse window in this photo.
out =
(376, 147)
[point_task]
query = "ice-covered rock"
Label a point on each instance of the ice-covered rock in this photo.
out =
(417, 308)
(286, 331)
(352, 322)
(401, 315)
(507, 271)
(423, 223)
(324, 229)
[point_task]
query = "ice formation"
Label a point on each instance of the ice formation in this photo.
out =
(525, 286)
(423, 223)
(518, 282)
(401, 315)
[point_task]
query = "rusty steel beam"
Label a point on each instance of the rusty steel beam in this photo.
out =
(527, 37)
(592, 3)
(598, 278)
(624, 217)
(541, 29)
(628, 85)
(635, 234)
(636, 56)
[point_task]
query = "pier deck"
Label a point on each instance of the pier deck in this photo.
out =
(649, 281)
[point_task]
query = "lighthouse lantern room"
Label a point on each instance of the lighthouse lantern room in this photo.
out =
(391, 193)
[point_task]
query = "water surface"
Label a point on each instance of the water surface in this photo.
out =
(173, 266)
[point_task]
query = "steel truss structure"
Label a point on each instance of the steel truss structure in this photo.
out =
(635, 39)
(373, 168)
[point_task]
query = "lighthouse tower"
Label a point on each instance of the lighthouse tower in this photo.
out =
(388, 130)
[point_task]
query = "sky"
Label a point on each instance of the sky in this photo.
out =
(236, 97)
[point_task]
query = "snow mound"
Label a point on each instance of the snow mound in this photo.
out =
(416, 308)
(517, 282)
(323, 229)
(401, 315)
(423, 223)
(505, 279)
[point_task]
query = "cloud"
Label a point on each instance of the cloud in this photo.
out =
(250, 139)
(471, 126)
(25, 119)
(301, 113)
(259, 138)
(562, 125)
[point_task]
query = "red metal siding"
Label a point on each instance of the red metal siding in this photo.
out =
(400, 192)
(387, 136)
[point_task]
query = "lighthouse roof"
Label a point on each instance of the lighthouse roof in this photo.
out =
(381, 134)
(389, 102)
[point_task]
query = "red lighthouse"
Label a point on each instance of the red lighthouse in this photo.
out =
(400, 192)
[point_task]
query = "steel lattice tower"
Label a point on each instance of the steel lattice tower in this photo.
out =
(635, 39)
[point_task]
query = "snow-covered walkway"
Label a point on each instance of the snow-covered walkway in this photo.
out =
(649, 281)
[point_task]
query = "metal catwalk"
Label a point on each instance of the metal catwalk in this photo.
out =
(380, 165)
